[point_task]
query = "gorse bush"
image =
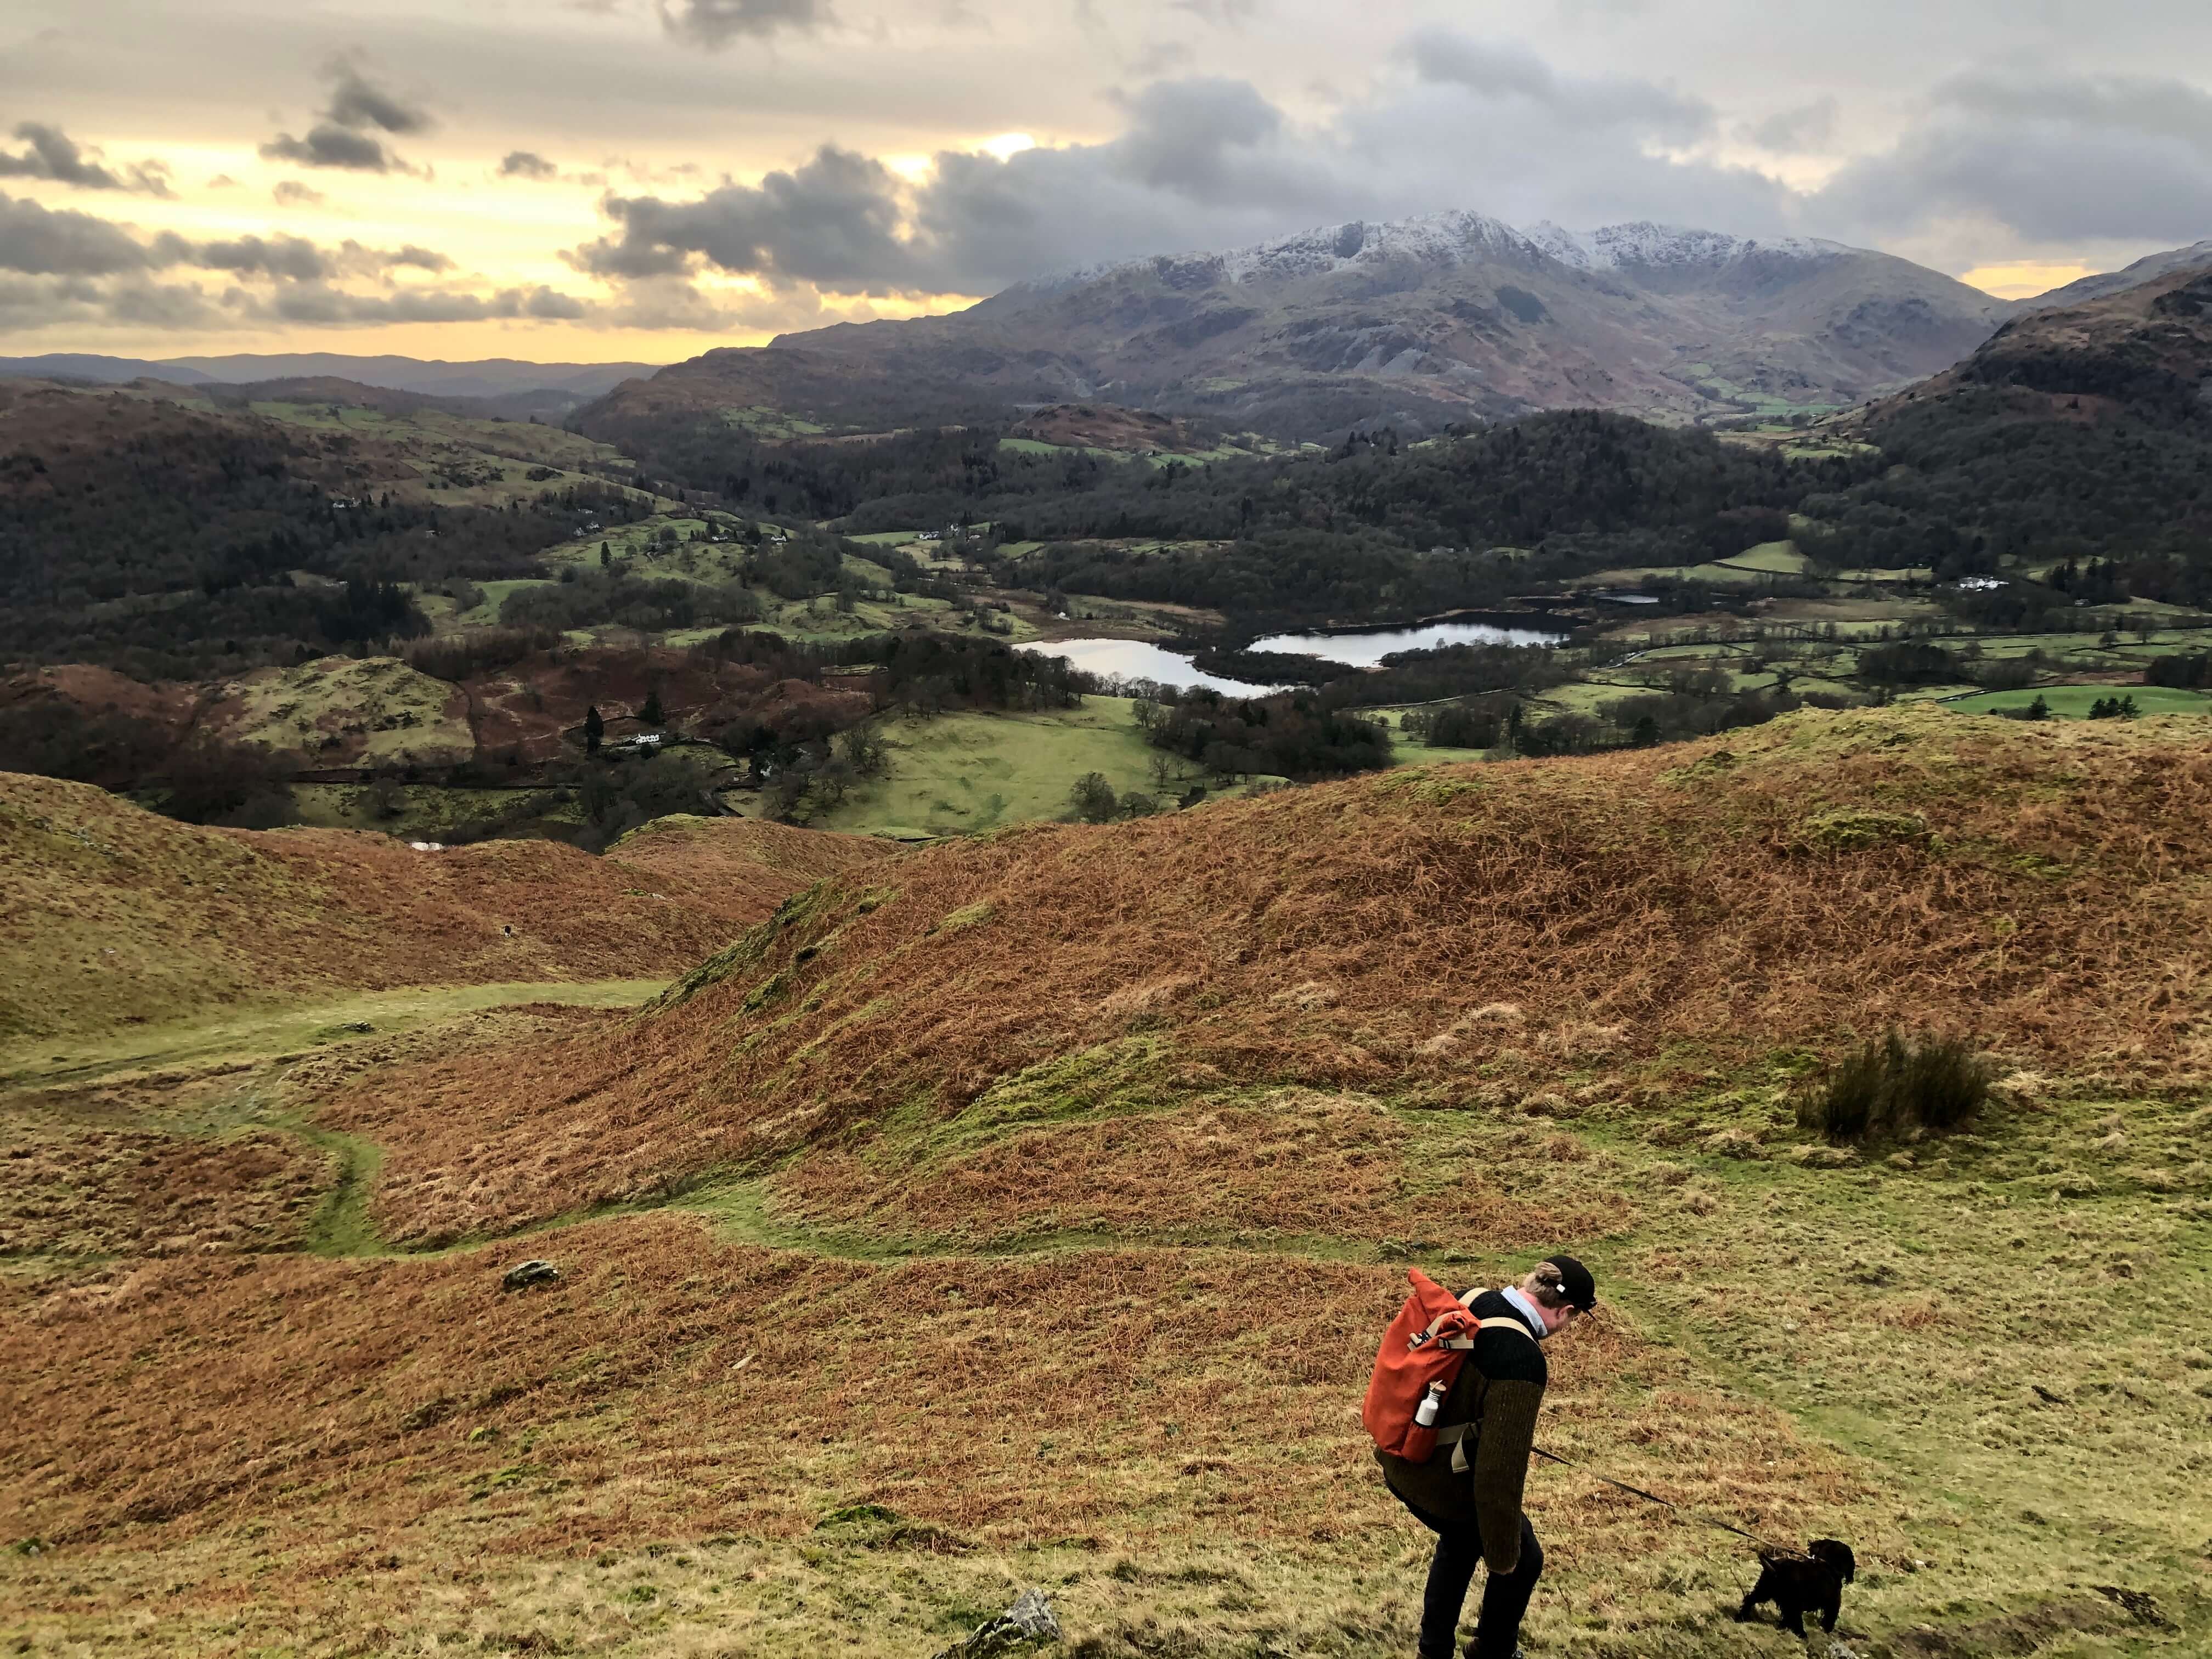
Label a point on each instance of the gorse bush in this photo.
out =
(1893, 1088)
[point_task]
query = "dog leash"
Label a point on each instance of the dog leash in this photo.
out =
(1668, 1503)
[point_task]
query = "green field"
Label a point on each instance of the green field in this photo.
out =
(263, 1032)
(1774, 558)
(2073, 701)
(954, 774)
(419, 812)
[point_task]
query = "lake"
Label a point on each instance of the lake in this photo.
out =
(1366, 647)
(1139, 659)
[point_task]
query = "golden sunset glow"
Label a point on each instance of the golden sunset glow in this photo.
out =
(2023, 279)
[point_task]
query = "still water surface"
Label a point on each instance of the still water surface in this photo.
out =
(1141, 660)
(1367, 648)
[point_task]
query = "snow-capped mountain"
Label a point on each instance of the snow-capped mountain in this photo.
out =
(1460, 237)
(1423, 320)
(1615, 247)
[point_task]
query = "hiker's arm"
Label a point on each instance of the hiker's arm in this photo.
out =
(1501, 1468)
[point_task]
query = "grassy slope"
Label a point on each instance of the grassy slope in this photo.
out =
(341, 711)
(976, 1154)
(113, 918)
(457, 461)
(957, 774)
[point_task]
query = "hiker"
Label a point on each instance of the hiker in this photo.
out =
(1472, 1500)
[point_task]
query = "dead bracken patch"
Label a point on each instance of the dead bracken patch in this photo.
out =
(1296, 1161)
(668, 1387)
(98, 1192)
(1618, 904)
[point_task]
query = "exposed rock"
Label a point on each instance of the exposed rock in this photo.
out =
(1029, 1620)
(523, 1274)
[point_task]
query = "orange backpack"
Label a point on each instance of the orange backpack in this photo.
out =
(1427, 1345)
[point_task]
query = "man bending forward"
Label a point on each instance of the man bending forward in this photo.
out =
(1468, 1492)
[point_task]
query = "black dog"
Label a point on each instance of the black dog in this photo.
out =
(1799, 1584)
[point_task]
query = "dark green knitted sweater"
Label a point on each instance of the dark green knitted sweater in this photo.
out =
(1498, 1392)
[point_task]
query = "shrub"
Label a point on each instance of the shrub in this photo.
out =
(457, 657)
(1892, 1088)
(1093, 799)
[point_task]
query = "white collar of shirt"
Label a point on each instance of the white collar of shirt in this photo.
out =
(1526, 1309)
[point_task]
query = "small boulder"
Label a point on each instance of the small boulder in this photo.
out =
(1029, 1619)
(523, 1274)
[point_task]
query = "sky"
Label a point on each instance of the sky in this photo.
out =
(640, 181)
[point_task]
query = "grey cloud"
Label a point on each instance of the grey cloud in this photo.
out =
(61, 267)
(41, 242)
(1199, 138)
(38, 240)
(356, 103)
(2053, 161)
(33, 303)
(344, 136)
(2166, 108)
(715, 23)
(1506, 72)
(290, 192)
(420, 258)
(328, 145)
(1804, 130)
(290, 257)
(526, 164)
(53, 155)
(1203, 164)
(833, 221)
(335, 308)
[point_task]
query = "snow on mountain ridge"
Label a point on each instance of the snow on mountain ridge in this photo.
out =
(1452, 238)
(1641, 242)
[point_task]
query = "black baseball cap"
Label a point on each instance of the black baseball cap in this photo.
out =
(1575, 1282)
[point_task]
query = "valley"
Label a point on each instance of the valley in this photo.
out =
(976, 928)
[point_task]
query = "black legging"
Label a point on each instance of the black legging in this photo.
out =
(1505, 1595)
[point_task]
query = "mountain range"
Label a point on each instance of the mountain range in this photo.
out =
(1424, 320)
(1418, 322)
(507, 385)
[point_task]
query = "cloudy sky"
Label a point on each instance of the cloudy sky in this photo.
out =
(639, 179)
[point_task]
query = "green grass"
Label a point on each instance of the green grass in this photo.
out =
(765, 423)
(348, 711)
(494, 594)
(955, 774)
(425, 812)
(261, 1033)
(2073, 701)
(1774, 558)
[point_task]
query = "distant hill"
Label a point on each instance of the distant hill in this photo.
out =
(2144, 351)
(2076, 435)
(2150, 267)
(513, 387)
(1424, 320)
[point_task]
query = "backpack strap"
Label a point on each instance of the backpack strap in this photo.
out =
(1455, 1435)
